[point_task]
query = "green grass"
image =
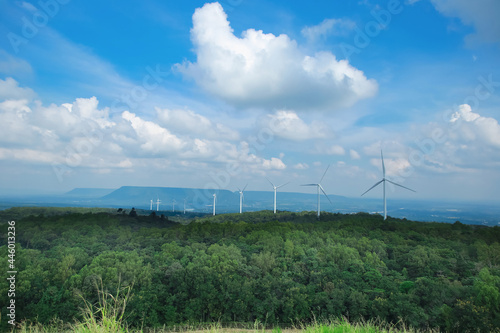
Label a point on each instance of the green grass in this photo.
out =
(108, 320)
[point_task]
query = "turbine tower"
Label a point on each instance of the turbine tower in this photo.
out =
(151, 205)
(319, 187)
(384, 180)
(158, 204)
(215, 199)
(275, 188)
(241, 197)
(173, 205)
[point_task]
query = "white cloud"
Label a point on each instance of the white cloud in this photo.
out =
(335, 150)
(29, 155)
(274, 163)
(470, 126)
(288, 125)
(153, 137)
(10, 90)
(188, 122)
(301, 166)
(265, 70)
(327, 27)
(482, 14)
(393, 167)
(354, 154)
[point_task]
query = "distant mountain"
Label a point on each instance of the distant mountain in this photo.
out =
(201, 200)
(89, 192)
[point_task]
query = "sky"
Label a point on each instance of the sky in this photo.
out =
(223, 94)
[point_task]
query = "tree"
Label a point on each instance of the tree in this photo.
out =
(133, 213)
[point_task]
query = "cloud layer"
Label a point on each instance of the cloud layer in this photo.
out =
(82, 135)
(264, 70)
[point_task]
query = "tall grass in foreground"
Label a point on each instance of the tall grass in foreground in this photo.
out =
(93, 325)
(107, 315)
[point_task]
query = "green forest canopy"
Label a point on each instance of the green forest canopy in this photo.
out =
(277, 269)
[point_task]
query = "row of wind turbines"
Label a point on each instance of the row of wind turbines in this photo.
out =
(319, 188)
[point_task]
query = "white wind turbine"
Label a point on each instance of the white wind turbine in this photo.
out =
(275, 188)
(319, 187)
(215, 200)
(158, 204)
(241, 197)
(151, 205)
(384, 180)
(173, 205)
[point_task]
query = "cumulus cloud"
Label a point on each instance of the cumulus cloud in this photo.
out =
(274, 163)
(153, 137)
(264, 70)
(470, 126)
(187, 121)
(482, 14)
(10, 90)
(288, 125)
(335, 150)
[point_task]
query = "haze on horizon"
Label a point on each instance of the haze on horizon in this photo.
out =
(221, 94)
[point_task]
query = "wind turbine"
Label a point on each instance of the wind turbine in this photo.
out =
(151, 205)
(241, 197)
(319, 187)
(158, 204)
(384, 180)
(185, 205)
(215, 200)
(275, 188)
(173, 205)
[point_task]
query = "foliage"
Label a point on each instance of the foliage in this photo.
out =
(279, 270)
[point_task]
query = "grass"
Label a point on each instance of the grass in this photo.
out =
(93, 323)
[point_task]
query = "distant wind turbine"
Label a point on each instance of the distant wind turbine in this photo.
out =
(215, 200)
(151, 205)
(384, 180)
(241, 197)
(173, 205)
(185, 205)
(275, 188)
(319, 187)
(158, 204)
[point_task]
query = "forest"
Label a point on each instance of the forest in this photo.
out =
(278, 269)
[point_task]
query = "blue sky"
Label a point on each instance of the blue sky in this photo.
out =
(198, 94)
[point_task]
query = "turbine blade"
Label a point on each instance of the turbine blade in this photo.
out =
(244, 187)
(401, 186)
(326, 195)
(324, 173)
(309, 185)
(383, 165)
(270, 182)
(372, 187)
(282, 185)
